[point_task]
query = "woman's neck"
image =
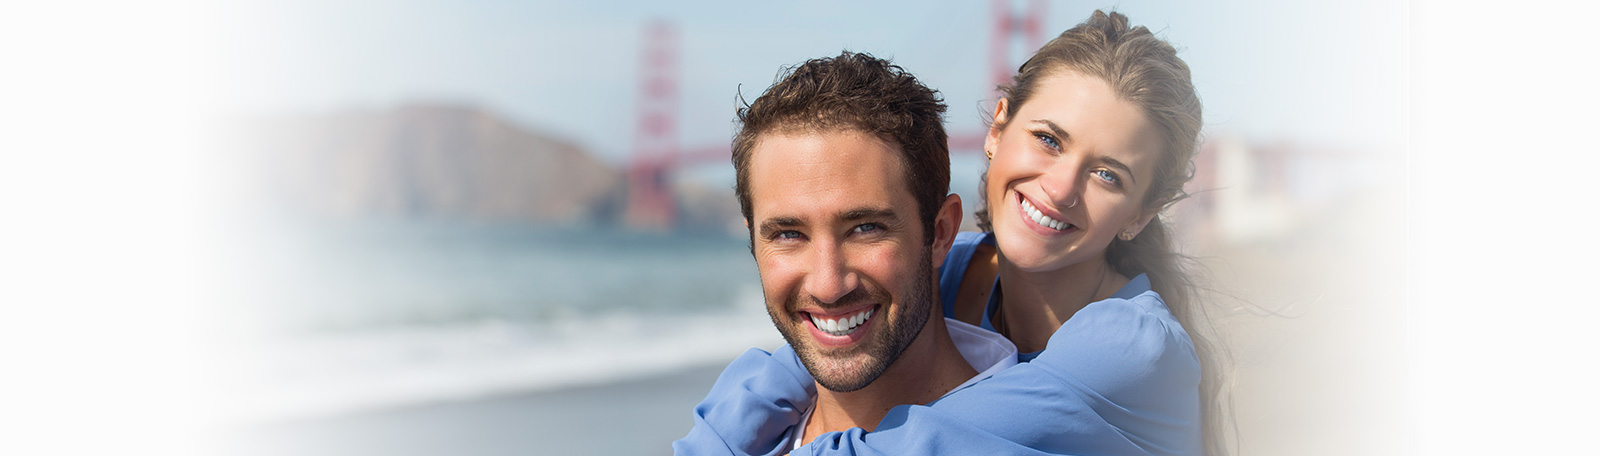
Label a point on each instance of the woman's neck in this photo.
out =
(1034, 304)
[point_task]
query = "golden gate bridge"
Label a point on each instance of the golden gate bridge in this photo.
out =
(657, 152)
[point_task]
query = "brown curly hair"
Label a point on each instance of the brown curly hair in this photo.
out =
(859, 92)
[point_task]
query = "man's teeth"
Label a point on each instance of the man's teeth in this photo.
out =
(1040, 218)
(842, 326)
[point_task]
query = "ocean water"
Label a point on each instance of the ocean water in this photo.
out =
(339, 318)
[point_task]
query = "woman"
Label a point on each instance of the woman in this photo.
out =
(1092, 140)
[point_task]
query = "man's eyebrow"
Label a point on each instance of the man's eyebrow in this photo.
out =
(853, 215)
(870, 213)
(778, 223)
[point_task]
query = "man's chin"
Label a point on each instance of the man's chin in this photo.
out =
(843, 371)
(843, 379)
(839, 369)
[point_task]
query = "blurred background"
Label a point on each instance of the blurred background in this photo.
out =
(490, 227)
(484, 227)
(495, 227)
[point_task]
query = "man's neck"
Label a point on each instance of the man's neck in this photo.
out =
(928, 368)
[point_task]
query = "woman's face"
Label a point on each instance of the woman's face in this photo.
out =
(1069, 173)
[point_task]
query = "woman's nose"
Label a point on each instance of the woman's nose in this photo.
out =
(1061, 183)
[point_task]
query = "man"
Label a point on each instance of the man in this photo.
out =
(843, 176)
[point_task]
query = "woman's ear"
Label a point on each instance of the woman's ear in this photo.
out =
(991, 141)
(1137, 225)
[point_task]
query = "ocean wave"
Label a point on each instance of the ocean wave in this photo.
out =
(323, 374)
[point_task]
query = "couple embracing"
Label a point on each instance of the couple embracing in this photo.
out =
(1059, 329)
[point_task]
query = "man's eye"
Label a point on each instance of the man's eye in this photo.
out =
(868, 228)
(786, 235)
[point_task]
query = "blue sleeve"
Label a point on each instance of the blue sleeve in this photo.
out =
(760, 396)
(751, 407)
(1118, 378)
(955, 268)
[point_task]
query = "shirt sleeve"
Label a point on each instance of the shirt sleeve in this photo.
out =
(751, 407)
(1119, 378)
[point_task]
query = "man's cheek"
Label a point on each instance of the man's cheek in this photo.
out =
(778, 279)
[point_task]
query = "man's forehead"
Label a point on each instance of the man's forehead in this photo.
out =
(825, 173)
(796, 146)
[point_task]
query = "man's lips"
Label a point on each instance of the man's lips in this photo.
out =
(840, 328)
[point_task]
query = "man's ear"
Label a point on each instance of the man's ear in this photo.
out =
(752, 237)
(991, 141)
(945, 226)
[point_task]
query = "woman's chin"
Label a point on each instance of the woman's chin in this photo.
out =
(1029, 255)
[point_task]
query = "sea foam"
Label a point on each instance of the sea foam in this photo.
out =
(287, 378)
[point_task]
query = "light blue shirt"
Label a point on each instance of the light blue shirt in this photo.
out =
(986, 351)
(1119, 377)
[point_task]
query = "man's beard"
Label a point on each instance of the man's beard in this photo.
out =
(890, 339)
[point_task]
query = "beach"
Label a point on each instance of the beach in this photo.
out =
(640, 416)
(1312, 320)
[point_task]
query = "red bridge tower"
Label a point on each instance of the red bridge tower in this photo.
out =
(651, 203)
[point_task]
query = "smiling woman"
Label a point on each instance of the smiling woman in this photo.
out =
(1064, 169)
(1095, 136)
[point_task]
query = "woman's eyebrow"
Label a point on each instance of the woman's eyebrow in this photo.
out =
(1061, 134)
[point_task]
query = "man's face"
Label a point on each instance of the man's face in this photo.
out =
(847, 275)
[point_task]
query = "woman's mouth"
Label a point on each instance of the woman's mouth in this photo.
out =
(1041, 219)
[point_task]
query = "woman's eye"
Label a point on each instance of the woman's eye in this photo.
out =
(1049, 141)
(1108, 176)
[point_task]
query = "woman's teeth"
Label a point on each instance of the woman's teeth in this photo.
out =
(842, 326)
(1041, 219)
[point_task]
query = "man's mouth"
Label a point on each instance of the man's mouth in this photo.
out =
(1041, 219)
(843, 326)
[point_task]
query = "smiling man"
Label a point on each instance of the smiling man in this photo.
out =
(843, 178)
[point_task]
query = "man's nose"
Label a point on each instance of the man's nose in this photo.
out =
(831, 277)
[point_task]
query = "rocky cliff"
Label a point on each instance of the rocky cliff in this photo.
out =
(444, 161)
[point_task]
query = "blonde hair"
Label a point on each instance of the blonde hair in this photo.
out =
(1145, 71)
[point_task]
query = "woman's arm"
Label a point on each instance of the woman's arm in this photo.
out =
(751, 407)
(1119, 378)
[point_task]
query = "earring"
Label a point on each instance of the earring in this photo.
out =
(1126, 236)
(989, 153)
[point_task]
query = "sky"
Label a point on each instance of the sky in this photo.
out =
(1324, 73)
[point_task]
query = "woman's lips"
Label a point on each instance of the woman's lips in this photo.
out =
(1041, 222)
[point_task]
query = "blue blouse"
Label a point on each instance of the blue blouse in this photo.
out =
(1119, 377)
